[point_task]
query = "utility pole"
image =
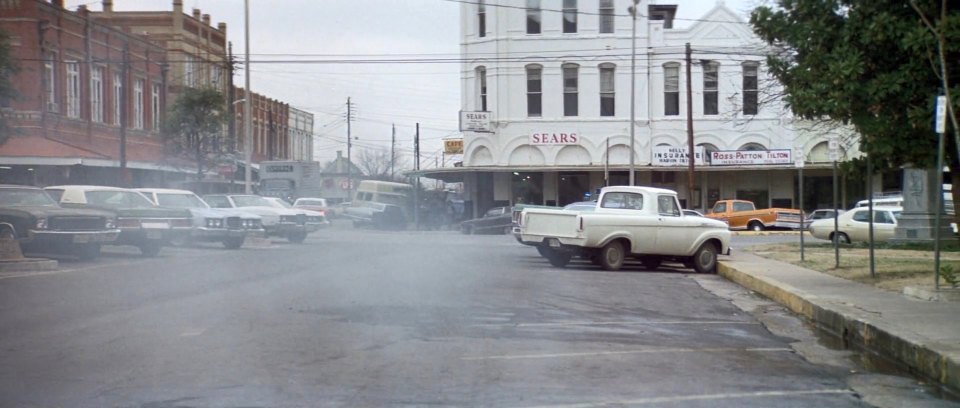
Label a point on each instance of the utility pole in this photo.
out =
(349, 144)
(124, 103)
(393, 148)
(416, 184)
(691, 155)
(231, 110)
(633, 91)
(247, 113)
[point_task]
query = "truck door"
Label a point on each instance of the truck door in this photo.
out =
(639, 224)
(673, 229)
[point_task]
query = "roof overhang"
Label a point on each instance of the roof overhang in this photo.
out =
(456, 174)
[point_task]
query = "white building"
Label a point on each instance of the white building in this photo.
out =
(554, 78)
(300, 132)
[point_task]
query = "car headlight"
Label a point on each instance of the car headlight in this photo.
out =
(110, 224)
(214, 223)
(314, 219)
(41, 223)
(286, 218)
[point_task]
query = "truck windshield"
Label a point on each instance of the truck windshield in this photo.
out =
(180, 201)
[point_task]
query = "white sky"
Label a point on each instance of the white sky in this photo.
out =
(382, 93)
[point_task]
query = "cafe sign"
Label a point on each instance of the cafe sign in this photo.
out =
(675, 156)
(751, 157)
(453, 146)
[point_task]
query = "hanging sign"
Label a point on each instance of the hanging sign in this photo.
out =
(475, 121)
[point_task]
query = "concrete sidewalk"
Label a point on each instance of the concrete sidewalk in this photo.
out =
(924, 336)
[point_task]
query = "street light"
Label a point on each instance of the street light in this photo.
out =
(633, 90)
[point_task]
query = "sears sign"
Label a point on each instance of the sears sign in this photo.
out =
(558, 138)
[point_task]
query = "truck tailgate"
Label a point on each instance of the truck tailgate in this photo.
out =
(550, 223)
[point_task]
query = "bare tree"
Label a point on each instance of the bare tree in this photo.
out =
(376, 164)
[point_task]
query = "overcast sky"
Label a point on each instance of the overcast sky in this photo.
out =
(382, 93)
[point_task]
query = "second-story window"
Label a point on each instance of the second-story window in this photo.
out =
(671, 89)
(711, 72)
(481, 18)
(96, 94)
(750, 103)
(73, 89)
(533, 16)
(189, 70)
(50, 81)
(482, 88)
(117, 98)
(534, 91)
(607, 90)
(155, 106)
(569, 16)
(570, 89)
(138, 104)
(607, 13)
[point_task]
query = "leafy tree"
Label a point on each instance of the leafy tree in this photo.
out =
(874, 64)
(195, 124)
(8, 68)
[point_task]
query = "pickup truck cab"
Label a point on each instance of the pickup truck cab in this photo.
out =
(641, 222)
(743, 215)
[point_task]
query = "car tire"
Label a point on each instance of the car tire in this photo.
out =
(87, 252)
(611, 256)
(558, 258)
(234, 242)
(756, 226)
(297, 237)
(651, 263)
(150, 248)
(543, 251)
(507, 230)
(842, 238)
(705, 259)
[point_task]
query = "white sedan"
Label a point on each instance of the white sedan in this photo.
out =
(854, 225)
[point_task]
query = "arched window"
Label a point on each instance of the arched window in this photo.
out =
(481, 88)
(708, 150)
(571, 85)
(752, 147)
(671, 89)
(534, 90)
(750, 88)
(608, 89)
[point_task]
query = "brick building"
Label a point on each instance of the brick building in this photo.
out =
(270, 126)
(91, 100)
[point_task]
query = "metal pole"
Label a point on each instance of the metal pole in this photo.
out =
(936, 242)
(124, 113)
(633, 92)
(836, 220)
(606, 166)
(247, 113)
(803, 229)
(349, 145)
(690, 153)
(393, 146)
(873, 265)
(416, 185)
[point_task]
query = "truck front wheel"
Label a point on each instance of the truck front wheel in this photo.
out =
(756, 226)
(705, 259)
(612, 256)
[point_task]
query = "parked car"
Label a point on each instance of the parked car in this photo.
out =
(40, 224)
(822, 214)
(230, 227)
(280, 222)
(854, 225)
(497, 220)
(581, 206)
(314, 204)
(743, 215)
(142, 224)
(640, 222)
(315, 219)
(693, 213)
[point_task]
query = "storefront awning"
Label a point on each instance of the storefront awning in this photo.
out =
(456, 174)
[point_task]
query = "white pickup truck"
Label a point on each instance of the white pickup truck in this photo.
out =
(641, 222)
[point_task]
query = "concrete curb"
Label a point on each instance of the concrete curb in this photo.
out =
(28, 265)
(765, 233)
(857, 327)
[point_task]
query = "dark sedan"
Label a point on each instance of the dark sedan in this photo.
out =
(498, 220)
(29, 215)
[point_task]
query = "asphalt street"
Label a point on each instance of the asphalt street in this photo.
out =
(366, 318)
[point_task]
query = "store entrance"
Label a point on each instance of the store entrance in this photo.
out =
(573, 187)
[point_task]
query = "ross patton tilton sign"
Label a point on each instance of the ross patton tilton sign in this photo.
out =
(751, 157)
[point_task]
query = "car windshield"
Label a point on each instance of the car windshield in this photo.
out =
(117, 199)
(180, 201)
(251, 201)
(276, 202)
(16, 197)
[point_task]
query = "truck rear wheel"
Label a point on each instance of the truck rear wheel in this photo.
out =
(612, 256)
(756, 226)
(705, 259)
(558, 258)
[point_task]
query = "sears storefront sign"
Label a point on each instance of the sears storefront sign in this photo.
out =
(556, 138)
(751, 157)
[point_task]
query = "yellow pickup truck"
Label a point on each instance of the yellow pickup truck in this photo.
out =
(743, 215)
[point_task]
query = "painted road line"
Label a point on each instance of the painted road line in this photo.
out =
(705, 397)
(625, 323)
(623, 352)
